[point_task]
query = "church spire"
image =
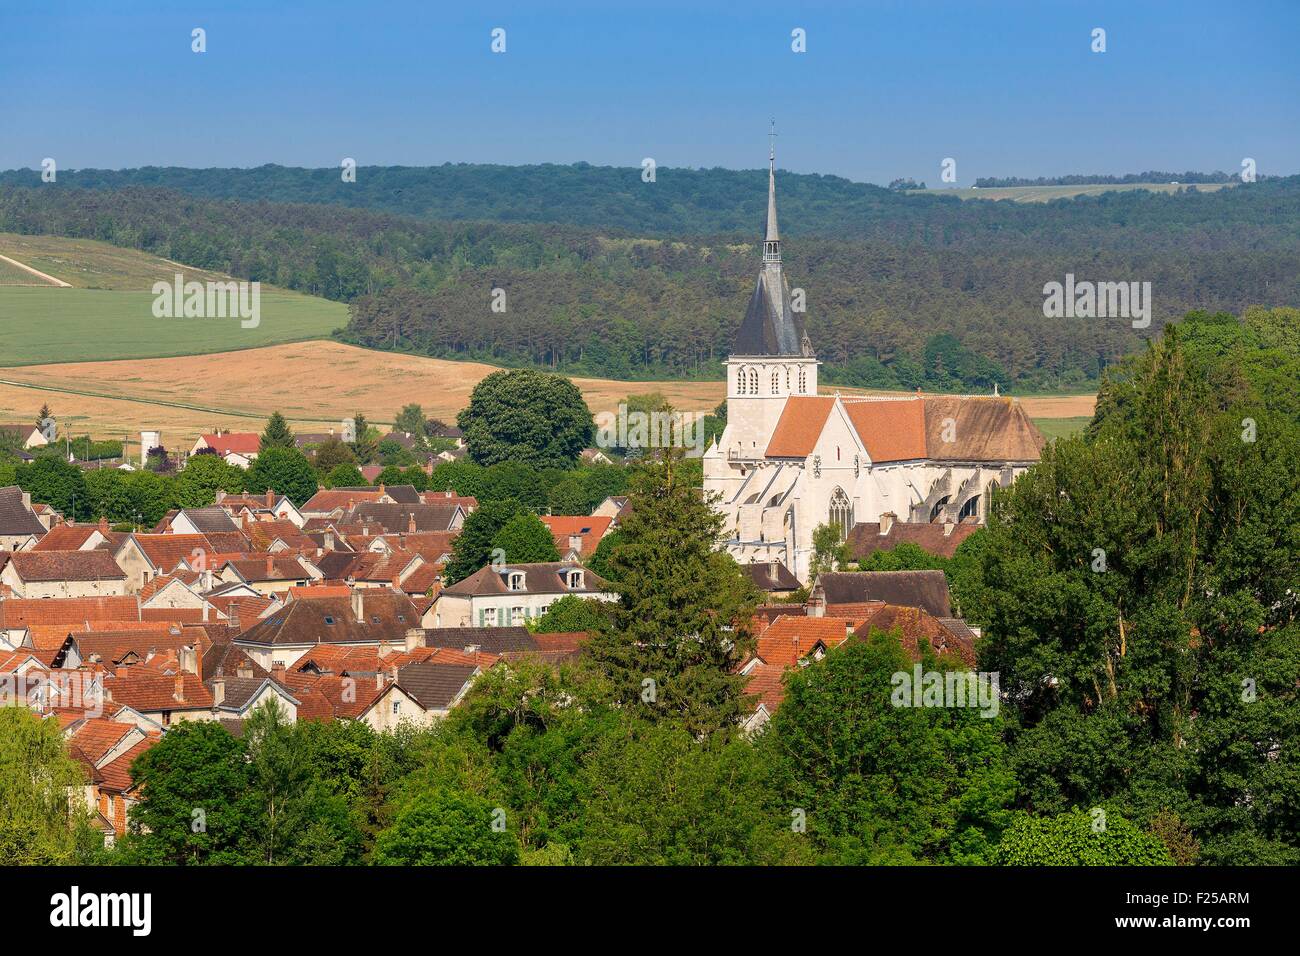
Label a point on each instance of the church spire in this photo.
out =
(772, 242)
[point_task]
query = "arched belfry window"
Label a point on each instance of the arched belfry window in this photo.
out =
(803, 381)
(776, 381)
(841, 513)
(753, 381)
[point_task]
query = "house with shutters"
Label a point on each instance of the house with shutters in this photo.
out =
(514, 594)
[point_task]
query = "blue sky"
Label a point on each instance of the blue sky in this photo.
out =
(885, 89)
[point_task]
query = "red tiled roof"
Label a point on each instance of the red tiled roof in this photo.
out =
(98, 735)
(588, 529)
(150, 693)
(913, 625)
(890, 429)
(241, 443)
(799, 427)
(167, 551)
(116, 775)
(20, 612)
(789, 639)
(66, 566)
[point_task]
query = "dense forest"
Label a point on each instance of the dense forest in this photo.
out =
(903, 291)
(1095, 179)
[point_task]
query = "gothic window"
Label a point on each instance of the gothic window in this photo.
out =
(988, 497)
(938, 507)
(841, 513)
(776, 382)
(753, 381)
(803, 381)
(740, 381)
(787, 378)
(970, 509)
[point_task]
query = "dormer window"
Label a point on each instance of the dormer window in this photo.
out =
(515, 580)
(573, 579)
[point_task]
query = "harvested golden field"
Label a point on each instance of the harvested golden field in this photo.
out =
(314, 384)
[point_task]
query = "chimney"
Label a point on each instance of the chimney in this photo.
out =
(414, 638)
(381, 489)
(358, 605)
(397, 582)
(232, 622)
(575, 543)
(206, 605)
(887, 522)
(270, 565)
(103, 525)
(218, 686)
(277, 667)
(27, 501)
(270, 498)
(192, 659)
(244, 669)
(244, 521)
(178, 693)
(329, 540)
(472, 648)
(221, 495)
(207, 579)
(410, 525)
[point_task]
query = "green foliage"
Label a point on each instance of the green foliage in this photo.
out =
(345, 476)
(881, 783)
(601, 560)
(680, 626)
(446, 828)
(285, 471)
(526, 416)
(331, 453)
(525, 540)
(571, 613)
(1078, 839)
(473, 546)
(658, 796)
(411, 419)
(38, 826)
(277, 433)
(58, 484)
(197, 484)
(829, 550)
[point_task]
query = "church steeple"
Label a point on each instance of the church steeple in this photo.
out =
(772, 242)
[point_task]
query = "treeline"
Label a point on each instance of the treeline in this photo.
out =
(1100, 179)
(916, 292)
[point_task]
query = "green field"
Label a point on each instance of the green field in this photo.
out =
(108, 314)
(1053, 428)
(40, 325)
(1048, 193)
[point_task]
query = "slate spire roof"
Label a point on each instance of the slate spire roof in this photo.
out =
(770, 326)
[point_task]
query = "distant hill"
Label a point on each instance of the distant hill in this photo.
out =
(681, 202)
(903, 291)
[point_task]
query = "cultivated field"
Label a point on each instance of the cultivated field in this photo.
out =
(1048, 193)
(108, 312)
(314, 384)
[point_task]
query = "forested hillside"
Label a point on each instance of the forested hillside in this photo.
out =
(902, 291)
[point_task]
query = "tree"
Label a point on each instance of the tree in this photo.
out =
(1097, 838)
(301, 822)
(446, 828)
(472, 548)
(108, 492)
(38, 820)
(829, 552)
(197, 806)
(331, 453)
(654, 795)
(285, 471)
(525, 540)
(513, 479)
(571, 613)
(392, 475)
(197, 484)
(411, 420)
(526, 416)
(568, 497)
(57, 483)
(880, 782)
(148, 495)
(681, 625)
(600, 560)
(366, 443)
(345, 476)
(277, 433)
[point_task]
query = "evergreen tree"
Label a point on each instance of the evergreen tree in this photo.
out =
(681, 624)
(277, 433)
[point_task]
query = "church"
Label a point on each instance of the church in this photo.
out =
(791, 459)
